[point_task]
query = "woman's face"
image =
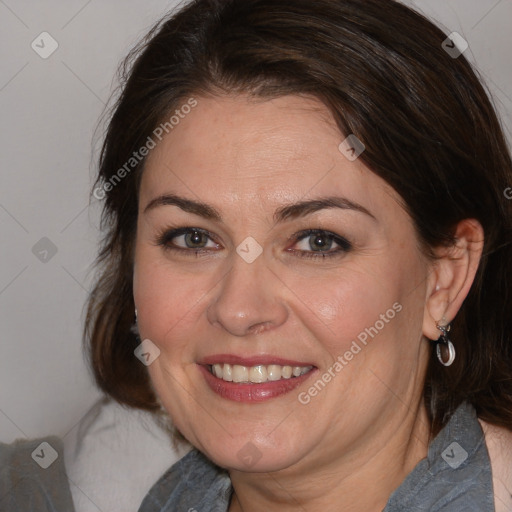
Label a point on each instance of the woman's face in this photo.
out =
(247, 292)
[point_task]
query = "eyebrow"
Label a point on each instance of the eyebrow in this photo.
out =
(286, 212)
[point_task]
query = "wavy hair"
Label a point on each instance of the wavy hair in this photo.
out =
(430, 131)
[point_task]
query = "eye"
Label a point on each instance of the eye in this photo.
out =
(186, 240)
(317, 243)
(312, 243)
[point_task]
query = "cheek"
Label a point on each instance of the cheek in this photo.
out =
(167, 300)
(368, 304)
(333, 307)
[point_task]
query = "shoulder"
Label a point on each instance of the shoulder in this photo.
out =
(499, 446)
(33, 476)
(193, 483)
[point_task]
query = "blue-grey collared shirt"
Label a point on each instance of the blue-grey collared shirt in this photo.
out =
(456, 476)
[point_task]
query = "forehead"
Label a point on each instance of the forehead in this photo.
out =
(236, 147)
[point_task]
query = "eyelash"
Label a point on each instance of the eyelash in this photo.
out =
(164, 238)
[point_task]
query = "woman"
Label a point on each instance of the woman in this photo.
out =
(317, 248)
(322, 195)
(305, 213)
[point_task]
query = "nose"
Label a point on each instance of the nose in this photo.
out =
(249, 299)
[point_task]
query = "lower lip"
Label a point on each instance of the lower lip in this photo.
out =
(239, 392)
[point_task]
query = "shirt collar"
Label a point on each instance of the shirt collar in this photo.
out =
(456, 475)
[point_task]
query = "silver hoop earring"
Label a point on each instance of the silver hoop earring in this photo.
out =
(135, 328)
(444, 340)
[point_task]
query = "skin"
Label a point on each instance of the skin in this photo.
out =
(368, 428)
(499, 446)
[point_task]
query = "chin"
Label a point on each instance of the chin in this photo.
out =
(243, 454)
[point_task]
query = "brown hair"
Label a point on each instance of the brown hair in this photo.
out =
(428, 125)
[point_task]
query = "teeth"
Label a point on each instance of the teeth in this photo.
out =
(257, 374)
(286, 372)
(217, 370)
(240, 373)
(226, 373)
(274, 372)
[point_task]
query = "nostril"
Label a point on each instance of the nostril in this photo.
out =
(259, 327)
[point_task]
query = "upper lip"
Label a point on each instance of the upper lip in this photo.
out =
(257, 360)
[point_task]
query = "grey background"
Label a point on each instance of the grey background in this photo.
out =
(50, 109)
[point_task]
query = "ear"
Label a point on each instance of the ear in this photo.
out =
(451, 276)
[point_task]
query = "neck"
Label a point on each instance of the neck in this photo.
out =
(359, 481)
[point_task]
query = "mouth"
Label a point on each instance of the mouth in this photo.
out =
(256, 374)
(253, 381)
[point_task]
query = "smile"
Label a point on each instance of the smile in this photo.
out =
(256, 374)
(253, 381)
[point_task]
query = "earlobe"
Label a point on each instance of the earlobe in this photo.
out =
(451, 276)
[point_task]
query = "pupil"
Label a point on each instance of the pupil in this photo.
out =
(194, 237)
(319, 241)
